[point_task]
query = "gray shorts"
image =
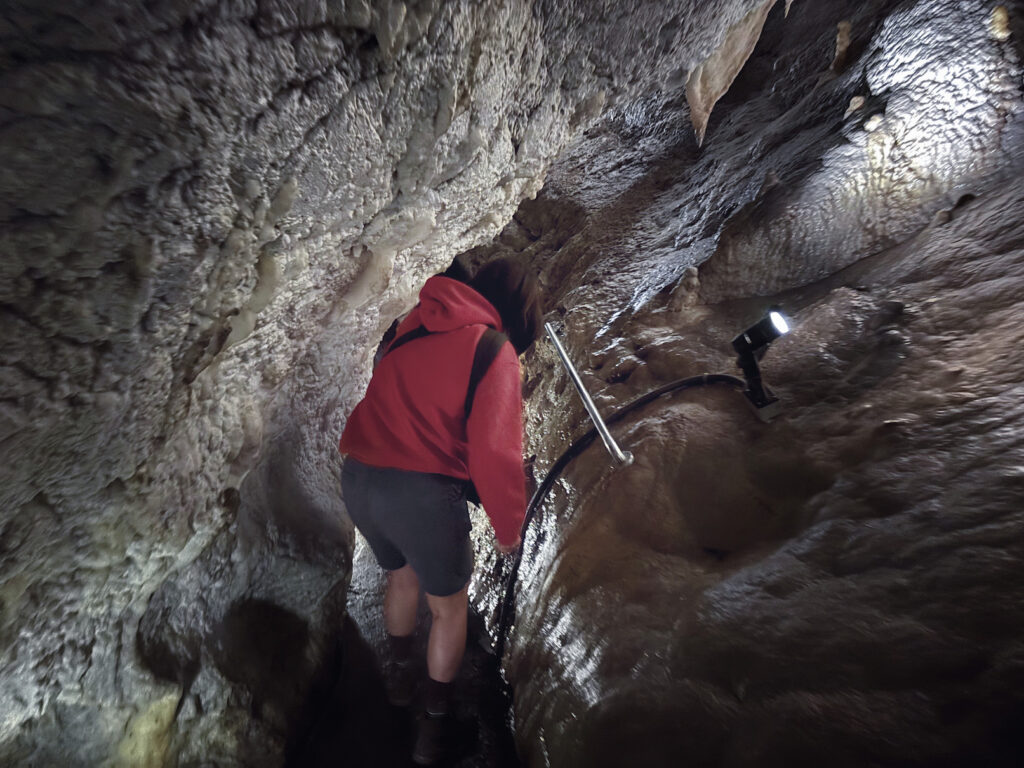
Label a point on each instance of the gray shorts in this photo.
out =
(414, 518)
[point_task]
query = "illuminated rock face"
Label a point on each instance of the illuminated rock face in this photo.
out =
(212, 211)
(842, 586)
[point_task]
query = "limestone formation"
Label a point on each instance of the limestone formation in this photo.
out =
(710, 80)
(211, 212)
(840, 586)
(941, 121)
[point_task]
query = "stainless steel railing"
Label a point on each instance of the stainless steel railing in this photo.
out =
(623, 458)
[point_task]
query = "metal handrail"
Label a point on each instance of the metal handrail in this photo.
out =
(624, 458)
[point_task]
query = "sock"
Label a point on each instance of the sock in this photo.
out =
(401, 649)
(436, 697)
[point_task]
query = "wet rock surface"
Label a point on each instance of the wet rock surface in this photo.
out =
(838, 586)
(210, 212)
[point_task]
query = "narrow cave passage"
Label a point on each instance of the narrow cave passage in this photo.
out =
(356, 724)
(210, 212)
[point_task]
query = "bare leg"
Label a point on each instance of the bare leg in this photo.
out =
(447, 635)
(444, 655)
(400, 601)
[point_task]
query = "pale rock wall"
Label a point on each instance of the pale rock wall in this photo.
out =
(710, 80)
(939, 118)
(210, 212)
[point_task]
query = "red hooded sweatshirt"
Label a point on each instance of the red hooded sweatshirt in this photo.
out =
(413, 415)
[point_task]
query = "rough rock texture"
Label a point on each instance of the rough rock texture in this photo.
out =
(844, 585)
(710, 80)
(210, 212)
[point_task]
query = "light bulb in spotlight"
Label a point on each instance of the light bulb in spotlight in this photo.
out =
(779, 322)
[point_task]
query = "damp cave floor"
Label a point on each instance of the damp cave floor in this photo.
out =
(355, 726)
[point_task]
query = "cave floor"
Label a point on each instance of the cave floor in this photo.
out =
(356, 727)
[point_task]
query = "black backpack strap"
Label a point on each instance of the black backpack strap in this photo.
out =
(405, 338)
(487, 348)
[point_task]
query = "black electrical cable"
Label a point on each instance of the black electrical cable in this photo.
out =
(575, 449)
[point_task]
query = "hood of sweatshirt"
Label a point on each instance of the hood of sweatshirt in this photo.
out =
(447, 304)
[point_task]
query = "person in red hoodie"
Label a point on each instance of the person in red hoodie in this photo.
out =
(411, 452)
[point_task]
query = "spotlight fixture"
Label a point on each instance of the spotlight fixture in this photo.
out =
(756, 338)
(750, 347)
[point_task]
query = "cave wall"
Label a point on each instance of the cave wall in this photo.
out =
(210, 213)
(840, 586)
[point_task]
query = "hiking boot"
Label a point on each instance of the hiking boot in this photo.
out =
(400, 683)
(429, 746)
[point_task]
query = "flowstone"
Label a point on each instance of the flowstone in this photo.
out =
(210, 213)
(838, 586)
